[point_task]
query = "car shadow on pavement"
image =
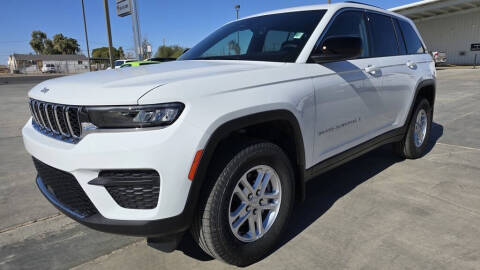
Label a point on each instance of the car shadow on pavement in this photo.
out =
(323, 191)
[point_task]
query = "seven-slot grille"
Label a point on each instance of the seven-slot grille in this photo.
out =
(55, 120)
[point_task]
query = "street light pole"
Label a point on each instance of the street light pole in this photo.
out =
(86, 36)
(109, 33)
(237, 8)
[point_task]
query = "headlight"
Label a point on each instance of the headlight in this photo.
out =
(134, 116)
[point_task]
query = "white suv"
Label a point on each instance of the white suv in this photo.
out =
(48, 68)
(221, 142)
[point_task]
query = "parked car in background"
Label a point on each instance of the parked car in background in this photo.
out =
(118, 63)
(48, 68)
(439, 57)
(139, 63)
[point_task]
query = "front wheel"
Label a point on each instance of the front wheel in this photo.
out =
(246, 210)
(415, 142)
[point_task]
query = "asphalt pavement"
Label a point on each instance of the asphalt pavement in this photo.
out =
(375, 212)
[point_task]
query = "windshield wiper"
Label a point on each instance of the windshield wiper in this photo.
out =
(228, 57)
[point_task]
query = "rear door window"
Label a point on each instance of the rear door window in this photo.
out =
(401, 41)
(384, 41)
(414, 45)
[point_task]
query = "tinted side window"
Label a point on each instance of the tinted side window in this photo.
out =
(384, 41)
(350, 23)
(401, 41)
(414, 45)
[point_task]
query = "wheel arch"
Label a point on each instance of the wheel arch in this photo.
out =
(225, 130)
(426, 89)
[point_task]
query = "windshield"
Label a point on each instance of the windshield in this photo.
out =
(119, 62)
(275, 38)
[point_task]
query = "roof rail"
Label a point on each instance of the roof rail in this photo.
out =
(360, 3)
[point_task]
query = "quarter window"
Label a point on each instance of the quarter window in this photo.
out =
(350, 23)
(414, 45)
(384, 41)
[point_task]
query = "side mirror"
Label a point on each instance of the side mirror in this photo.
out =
(337, 48)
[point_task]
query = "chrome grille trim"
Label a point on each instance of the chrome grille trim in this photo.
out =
(56, 124)
(64, 133)
(67, 114)
(32, 111)
(45, 108)
(35, 111)
(53, 123)
(39, 113)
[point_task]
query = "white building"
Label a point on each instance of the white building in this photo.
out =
(32, 63)
(451, 26)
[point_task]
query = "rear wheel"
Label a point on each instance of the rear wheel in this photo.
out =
(415, 141)
(245, 210)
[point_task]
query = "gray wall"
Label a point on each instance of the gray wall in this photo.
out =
(453, 34)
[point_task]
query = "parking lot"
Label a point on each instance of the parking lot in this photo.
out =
(376, 212)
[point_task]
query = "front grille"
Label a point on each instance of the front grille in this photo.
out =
(134, 189)
(58, 121)
(65, 188)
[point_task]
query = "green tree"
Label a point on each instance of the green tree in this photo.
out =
(65, 45)
(121, 53)
(38, 41)
(169, 51)
(59, 45)
(50, 48)
(103, 52)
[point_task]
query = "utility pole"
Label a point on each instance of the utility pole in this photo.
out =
(136, 31)
(329, 1)
(110, 46)
(86, 36)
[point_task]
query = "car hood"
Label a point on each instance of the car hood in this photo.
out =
(125, 86)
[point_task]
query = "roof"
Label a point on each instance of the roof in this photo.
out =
(334, 6)
(431, 8)
(52, 57)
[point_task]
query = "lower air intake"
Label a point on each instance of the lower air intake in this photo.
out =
(65, 188)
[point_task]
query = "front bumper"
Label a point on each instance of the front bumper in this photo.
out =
(169, 151)
(148, 228)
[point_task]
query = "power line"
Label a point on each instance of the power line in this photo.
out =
(15, 41)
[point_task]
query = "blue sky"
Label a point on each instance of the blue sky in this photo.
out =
(179, 22)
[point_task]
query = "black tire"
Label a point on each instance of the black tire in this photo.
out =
(211, 228)
(407, 148)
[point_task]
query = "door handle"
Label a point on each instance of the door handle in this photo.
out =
(372, 70)
(411, 64)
